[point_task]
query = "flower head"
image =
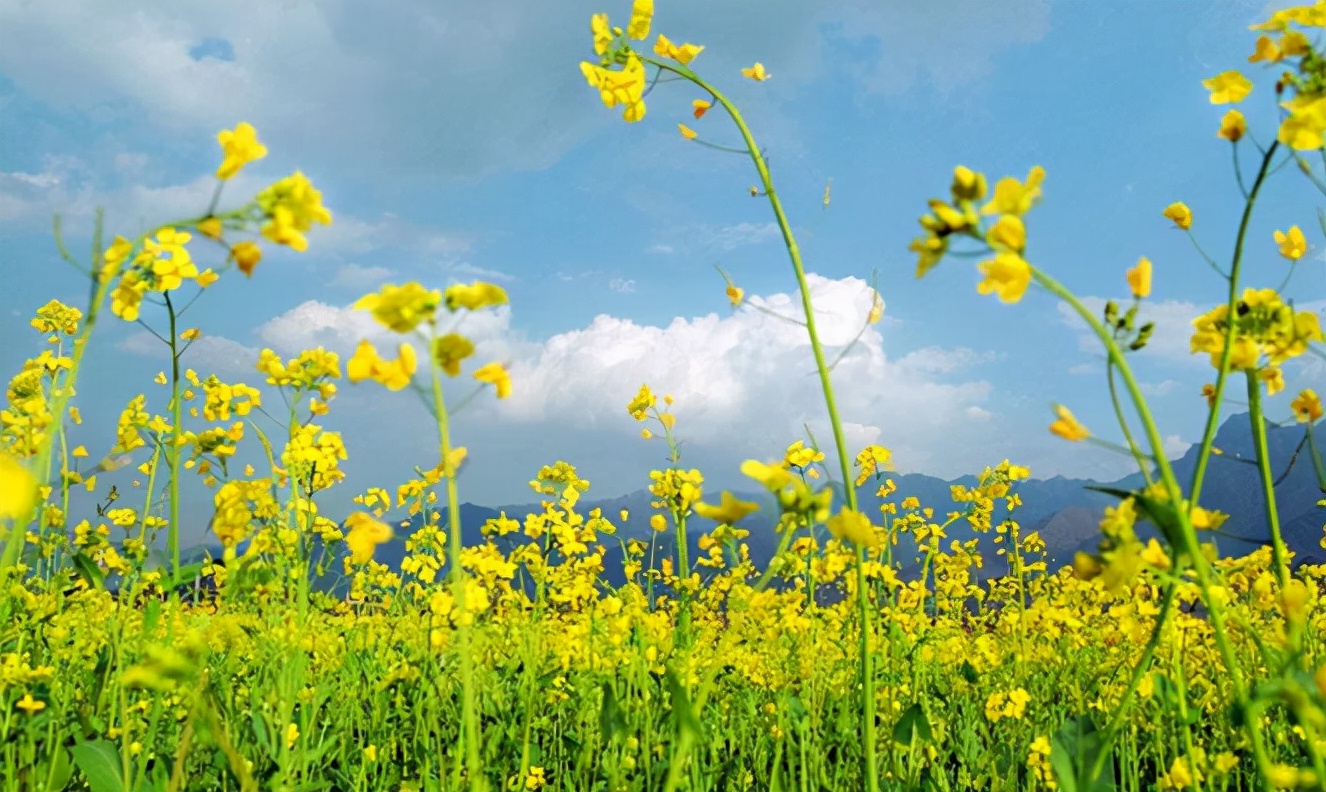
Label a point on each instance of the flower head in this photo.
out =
(1067, 426)
(1307, 407)
(756, 73)
(401, 308)
(683, 54)
(729, 510)
(1180, 214)
(1293, 244)
(474, 296)
(1139, 278)
(292, 205)
(496, 375)
(642, 13)
(1232, 126)
(1228, 87)
(240, 147)
(365, 534)
(1007, 274)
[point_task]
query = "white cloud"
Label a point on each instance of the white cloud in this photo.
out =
(738, 235)
(208, 355)
(1158, 389)
(1169, 342)
(354, 276)
(622, 285)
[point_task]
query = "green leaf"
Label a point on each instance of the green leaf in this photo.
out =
(681, 706)
(99, 761)
(60, 770)
(913, 725)
(1073, 750)
(611, 722)
(89, 571)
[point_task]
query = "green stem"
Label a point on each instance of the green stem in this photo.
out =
(821, 365)
(176, 423)
(1213, 418)
(470, 726)
(1278, 554)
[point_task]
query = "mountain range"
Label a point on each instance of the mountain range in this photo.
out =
(1064, 511)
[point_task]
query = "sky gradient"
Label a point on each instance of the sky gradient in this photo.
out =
(458, 141)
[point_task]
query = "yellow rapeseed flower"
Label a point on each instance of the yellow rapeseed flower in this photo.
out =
(599, 28)
(1008, 234)
(292, 205)
(1228, 87)
(1067, 426)
(772, 477)
(686, 132)
(246, 255)
(729, 510)
(1232, 126)
(854, 527)
(365, 534)
(683, 54)
(1180, 214)
(240, 147)
(1307, 407)
(642, 12)
(1139, 278)
(1007, 274)
(1305, 126)
(1292, 244)
(756, 73)
(1014, 197)
(474, 296)
(496, 375)
(450, 350)
(18, 489)
(401, 308)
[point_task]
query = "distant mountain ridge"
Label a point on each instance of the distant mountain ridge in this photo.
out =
(1062, 510)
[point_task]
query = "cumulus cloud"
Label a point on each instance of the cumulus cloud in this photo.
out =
(355, 276)
(744, 385)
(226, 358)
(1169, 342)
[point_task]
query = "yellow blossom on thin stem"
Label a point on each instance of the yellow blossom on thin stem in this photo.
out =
(1007, 275)
(1139, 278)
(756, 73)
(683, 54)
(1180, 214)
(686, 132)
(729, 510)
(1067, 426)
(240, 147)
(642, 12)
(496, 375)
(246, 255)
(1307, 407)
(365, 534)
(401, 308)
(1228, 87)
(1232, 126)
(18, 489)
(1292, 244)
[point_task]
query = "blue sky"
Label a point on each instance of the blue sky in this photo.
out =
(458, 141)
